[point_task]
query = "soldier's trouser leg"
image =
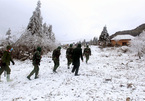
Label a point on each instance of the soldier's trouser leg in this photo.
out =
(77, 69)
(8, 70)
(37, 71)
(87, 58)
(69, 61)
(5, 68)
(56, 64)
(74, 68)
(33, 71)
(1, 70)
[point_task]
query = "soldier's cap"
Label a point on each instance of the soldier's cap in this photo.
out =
(58, 47)
(79, 45)
(71, 45)
(9, 47)
(39, 49)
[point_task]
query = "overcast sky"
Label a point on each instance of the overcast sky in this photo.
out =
(74, 20)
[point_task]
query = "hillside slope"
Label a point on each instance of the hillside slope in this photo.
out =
(133, 32)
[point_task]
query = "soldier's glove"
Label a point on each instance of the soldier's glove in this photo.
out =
(13, 62)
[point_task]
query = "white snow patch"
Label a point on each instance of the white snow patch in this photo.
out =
(108, 76)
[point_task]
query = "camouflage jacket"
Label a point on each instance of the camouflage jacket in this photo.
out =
(55, 55)
(69, 52)
(87, 51)
(36, 58)
(6, 58)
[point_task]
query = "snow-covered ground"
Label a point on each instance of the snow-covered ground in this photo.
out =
(110, 75)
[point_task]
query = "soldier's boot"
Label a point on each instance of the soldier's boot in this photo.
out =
(36, 76)
(8, 78)
(86, 61)
(5, 73)
(28, 77)
(68, 67)
(54, 69)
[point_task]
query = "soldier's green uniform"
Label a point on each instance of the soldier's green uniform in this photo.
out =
(36, 63)
(6, 58)
(69, 53)
(87, 53)
(55, 57)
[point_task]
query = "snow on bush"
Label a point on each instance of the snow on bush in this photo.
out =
(137, 45)
(124, 49)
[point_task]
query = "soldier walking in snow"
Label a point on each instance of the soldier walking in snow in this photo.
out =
(69, 53)
(87, 53)
(77, 54)
(36, 63)
(55, 57)
(6, 58)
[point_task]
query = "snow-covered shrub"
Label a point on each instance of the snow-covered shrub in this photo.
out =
(7, 40)
(124, 49)
(138, 44)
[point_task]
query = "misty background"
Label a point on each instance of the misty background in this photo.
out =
(73, 20)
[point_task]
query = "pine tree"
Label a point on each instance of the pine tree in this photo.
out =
(104, 38)
(35, 24)
(8, 33)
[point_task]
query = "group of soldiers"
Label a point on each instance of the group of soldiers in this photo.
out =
(73, 56)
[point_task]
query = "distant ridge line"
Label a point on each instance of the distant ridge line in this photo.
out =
(133, 32)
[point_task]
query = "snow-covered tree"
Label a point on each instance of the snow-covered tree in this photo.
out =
(48, 32)
(36, 34)
(95, 41)
(91, 42)
(137, 44)
(104, 38)
(8, 34)
(7, 40)
(35, 24)
(51, 34)
(84, 43)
